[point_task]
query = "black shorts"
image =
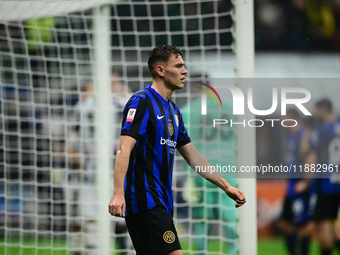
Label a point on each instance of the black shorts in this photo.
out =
(286, 213)
(327, 206)
(296, 208)
(152, 231)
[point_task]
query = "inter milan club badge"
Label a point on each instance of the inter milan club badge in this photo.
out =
(171, 129)
(169, 236)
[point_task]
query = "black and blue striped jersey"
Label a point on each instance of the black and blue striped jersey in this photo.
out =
(158, 128)
(326, 142)
(293, 158)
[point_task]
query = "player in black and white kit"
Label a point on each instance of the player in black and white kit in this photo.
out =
(81, 143)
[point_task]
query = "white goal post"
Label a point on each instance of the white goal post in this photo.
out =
(245, 58)
(103, 122)
(202, 56)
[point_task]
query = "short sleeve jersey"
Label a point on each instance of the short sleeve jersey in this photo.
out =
(158, 128)
(293, 158)
(326, 142)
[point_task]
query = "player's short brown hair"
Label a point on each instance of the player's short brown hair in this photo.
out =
(162, 53)
(325, 104)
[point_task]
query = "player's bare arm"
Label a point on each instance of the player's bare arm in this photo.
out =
(303, 185)
(305, 147)
(194, 158)
(117, 202)
(309, 157)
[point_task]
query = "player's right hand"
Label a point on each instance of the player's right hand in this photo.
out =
(237, 195)
(301, 186)
(117, 205)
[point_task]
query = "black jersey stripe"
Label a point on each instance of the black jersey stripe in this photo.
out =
(128, 199)
(164, 175)
(171, 114)
(150, 153)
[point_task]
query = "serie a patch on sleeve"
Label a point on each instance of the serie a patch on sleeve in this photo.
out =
(131, 115)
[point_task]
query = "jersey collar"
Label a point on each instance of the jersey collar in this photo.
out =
(156, 93)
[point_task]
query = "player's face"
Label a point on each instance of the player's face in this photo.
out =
(174, 72)
(318, 115)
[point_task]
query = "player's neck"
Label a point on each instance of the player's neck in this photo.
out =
(329, 118)
(296, 129)
(161, 89)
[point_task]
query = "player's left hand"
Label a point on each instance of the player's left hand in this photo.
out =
(237, 195)
(301, 186)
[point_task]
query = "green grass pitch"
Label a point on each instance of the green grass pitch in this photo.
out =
(43, 247)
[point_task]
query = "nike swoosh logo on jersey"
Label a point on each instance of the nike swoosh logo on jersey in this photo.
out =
(160, 117)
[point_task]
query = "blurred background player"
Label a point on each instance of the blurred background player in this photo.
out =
(82, 142)
(207, 201)
(294, 220)
(325, 141)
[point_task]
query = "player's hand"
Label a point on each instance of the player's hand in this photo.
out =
(237, 195)
(301, 186)
(117, 205)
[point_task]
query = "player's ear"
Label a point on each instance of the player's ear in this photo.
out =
(160, 70)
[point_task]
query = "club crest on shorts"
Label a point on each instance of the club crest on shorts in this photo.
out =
(169, 236)
(171, 129)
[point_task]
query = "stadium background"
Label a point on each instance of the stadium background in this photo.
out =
(292, 40)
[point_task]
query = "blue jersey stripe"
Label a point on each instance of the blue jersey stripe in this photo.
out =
(163, 152)
(149, 197)
(133, 187)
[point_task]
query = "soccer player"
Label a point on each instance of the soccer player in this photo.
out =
(326, 143)
(295, 218)
(81, 143)
(152, 130)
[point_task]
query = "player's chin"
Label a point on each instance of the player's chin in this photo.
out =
(181, 82)
(178, 86)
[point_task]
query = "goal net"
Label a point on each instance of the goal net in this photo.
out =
(49, 79)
